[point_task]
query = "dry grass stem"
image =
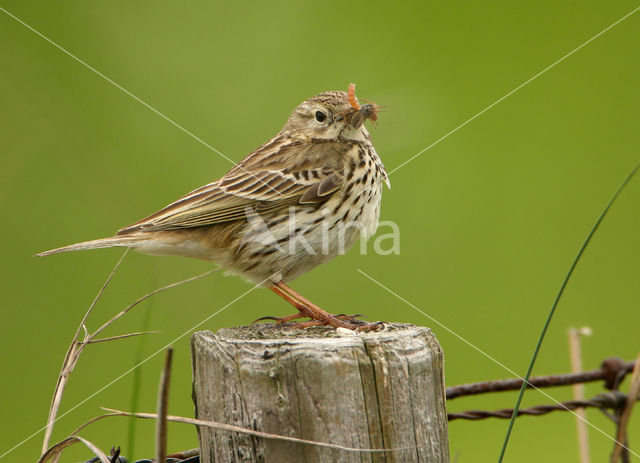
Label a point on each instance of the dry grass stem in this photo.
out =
(54, 452)
(632, 396)
(91, 421)
(575, 355)
(163, 406)
(71, 358)
(121, 336)
(147, 296)
(78, 345)
(251, 432)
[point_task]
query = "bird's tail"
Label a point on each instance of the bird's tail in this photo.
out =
(122, 241)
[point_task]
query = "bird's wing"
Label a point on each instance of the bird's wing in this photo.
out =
(247, 189)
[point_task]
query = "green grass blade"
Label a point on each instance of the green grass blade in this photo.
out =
(137, 380)
(555, 305)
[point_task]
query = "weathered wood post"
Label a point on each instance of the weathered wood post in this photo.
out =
(375, 390)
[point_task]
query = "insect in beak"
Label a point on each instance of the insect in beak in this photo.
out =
(360, 113)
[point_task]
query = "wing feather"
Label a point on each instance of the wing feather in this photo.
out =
(291, 176)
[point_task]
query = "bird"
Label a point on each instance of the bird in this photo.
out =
(299, 200)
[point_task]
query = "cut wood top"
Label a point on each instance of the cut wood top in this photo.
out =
(271, 331)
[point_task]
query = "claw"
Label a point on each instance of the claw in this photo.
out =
(347, 317)
(264, 318)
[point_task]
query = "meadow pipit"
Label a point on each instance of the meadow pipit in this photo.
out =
(296, 202)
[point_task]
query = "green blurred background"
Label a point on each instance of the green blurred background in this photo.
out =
(490, 217)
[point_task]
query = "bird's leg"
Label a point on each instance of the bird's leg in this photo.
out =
(313, 310)
(303, 311)
(319, 316)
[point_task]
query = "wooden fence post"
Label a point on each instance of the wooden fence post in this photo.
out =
(375, 390)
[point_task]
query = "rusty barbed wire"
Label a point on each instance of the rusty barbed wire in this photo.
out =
(610, 400)
(612, 371)
(187, 456)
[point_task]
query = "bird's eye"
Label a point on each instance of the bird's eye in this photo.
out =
(320, 116)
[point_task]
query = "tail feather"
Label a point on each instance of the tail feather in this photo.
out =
(122, 241)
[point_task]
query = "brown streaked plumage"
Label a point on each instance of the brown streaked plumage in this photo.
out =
(294, 203)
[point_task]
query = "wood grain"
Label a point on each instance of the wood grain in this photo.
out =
(377, 390)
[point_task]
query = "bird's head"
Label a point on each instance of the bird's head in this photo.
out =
(331, 116)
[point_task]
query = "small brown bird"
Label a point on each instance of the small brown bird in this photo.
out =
(294, 203)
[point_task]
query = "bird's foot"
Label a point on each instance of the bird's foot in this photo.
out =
(303, 312)
(318, 316)
(350, 322)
